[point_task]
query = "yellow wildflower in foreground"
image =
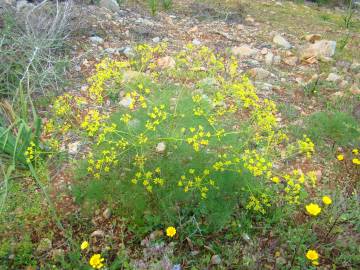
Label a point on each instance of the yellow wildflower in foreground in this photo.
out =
(326, 200)
(84, 245)
(355, 151)
(312, 255)
(313, 209)
(356, 161)
(170, 231)
(340, 157)
(96, 261)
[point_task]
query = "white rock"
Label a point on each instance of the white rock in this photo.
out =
(166, 62)
(277, 59)
(96, 39)
(156, 40)
(128, 52)
(259, 73)
(323, 49)
(243, 51)
(110, 5)
(98, 233)
(215, 260)
(281, 41)
(269, 58)
(73, 148)
(125, 102)
(333, 77)
(196, 42)
(291, 60)
(161, 147)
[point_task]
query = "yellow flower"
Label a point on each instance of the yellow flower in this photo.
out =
(313, 209)
(170, 231)
(340, 157)
(356, 161)
(355, 151)
(275, 179)
(326, 200)
(312, 255)
(84, 245)
(96, 261)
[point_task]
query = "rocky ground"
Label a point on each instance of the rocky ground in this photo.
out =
(281, 59)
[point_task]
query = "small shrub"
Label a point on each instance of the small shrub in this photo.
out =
(174, 155)
(336, 127)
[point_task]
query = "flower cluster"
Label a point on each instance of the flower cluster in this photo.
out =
(30, 152)
(306, 146)
(259, 204)
(199, 182)
(157, 115)
(199, 138)
(148, 179)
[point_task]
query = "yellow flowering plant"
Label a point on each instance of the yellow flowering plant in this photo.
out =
(170, 145)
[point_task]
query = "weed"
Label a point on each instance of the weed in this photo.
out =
(336, 127)
(167, 4)
(153, 4)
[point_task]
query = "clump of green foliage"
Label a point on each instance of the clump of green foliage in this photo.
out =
(334, 127)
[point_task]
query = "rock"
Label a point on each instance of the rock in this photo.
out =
(128, 52)
(96, 39)
(24, 6)
(196, 42)
(176, 267)
(259, 73)
(194, 252)
(126, 102)
(355, 67)
(264, 51)
(243, 51)
(156, 235)
(44, 245)
(166, 62)
(322, 49)
(107, 213)
(111, 5)
(97, 233)
(249, 19)
(281, 41)
(156, 40)
(160, 148)
(312, 38)
(269, 58)
(73, 148)
(291, 61)
(277, 59)
(215, 260)
(144, 22)
(333, 77)
(57, 254)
